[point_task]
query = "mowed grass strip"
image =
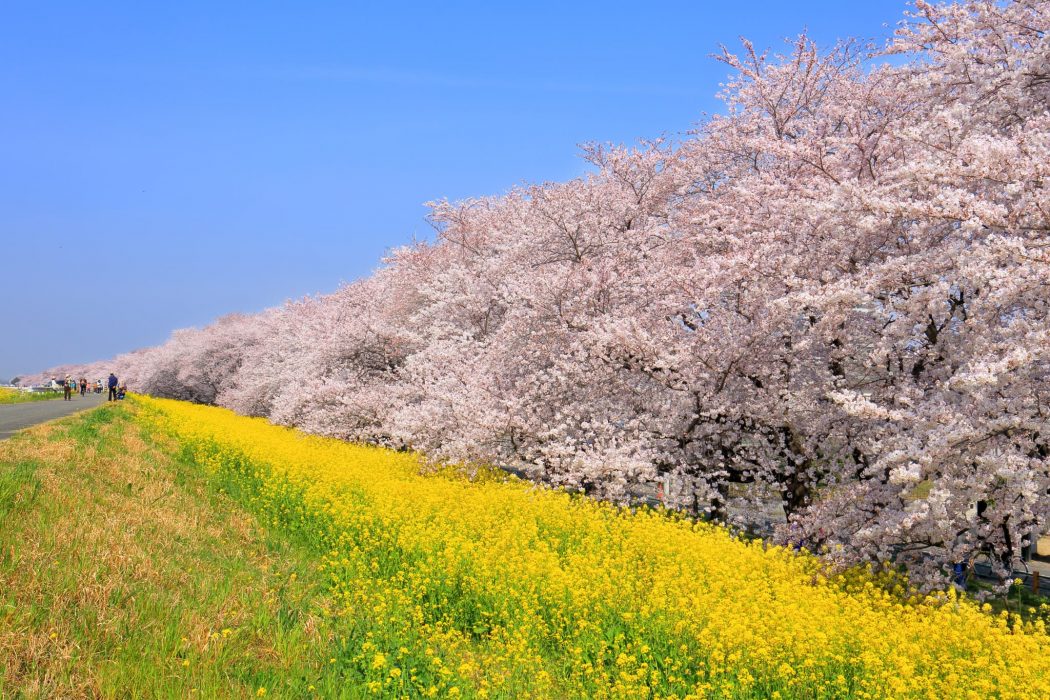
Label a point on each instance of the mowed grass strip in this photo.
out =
(124, 573)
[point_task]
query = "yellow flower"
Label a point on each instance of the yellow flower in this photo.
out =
(495, 583)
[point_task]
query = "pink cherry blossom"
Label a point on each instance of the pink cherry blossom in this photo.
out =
(837, 292)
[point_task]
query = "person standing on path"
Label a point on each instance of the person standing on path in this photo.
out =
(112, 384)
(83, 385)
(67, 389)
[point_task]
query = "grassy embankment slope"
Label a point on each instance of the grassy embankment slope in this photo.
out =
(162, 549)
(125, 573)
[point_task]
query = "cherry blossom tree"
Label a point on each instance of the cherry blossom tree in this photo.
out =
(835, 293)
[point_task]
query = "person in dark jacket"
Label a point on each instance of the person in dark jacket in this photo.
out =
(112, 384)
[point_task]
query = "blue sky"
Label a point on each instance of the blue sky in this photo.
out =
(186, 160)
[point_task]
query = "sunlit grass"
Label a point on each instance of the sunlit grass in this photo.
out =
(124, 573)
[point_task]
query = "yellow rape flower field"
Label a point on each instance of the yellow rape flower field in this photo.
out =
(440, 586)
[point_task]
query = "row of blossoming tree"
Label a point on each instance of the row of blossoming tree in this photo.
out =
(837, 291)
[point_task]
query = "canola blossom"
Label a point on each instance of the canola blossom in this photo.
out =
(443, 586)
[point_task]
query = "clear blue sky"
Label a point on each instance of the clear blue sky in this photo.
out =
(186, 160)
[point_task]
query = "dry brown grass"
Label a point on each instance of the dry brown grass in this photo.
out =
(122, 567)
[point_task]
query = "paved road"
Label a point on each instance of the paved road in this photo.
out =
(14, 417)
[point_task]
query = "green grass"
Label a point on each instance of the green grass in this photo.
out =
(16, 396)
(125, 573)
